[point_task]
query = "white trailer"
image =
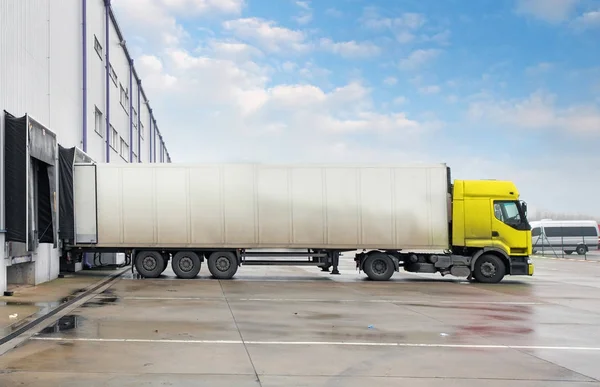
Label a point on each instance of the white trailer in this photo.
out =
(224, 213)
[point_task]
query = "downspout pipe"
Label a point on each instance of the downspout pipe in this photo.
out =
(84, 65)
(107, 65)
(139, 123)
(131, 110)
(154, 143)
(150, 134)
(84, 91)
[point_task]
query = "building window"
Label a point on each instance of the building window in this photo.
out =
(114, 138)
(97, 46)
(124, 98)
(124, 149)
(134, 118)
(98, 122)
(113, 75)
(134, 140)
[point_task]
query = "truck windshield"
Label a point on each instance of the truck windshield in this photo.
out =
(510, 213)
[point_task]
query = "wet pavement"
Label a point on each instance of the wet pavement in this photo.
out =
(31, 302)
(290, 326)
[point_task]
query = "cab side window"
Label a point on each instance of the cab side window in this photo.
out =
(507, 213)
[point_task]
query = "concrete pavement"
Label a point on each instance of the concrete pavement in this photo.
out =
(290, 326)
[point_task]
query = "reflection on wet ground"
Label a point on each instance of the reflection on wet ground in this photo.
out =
(335, 330)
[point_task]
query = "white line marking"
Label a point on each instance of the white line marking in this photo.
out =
(423, 302)
(322, 343)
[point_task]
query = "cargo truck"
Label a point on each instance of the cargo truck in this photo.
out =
(229, 215)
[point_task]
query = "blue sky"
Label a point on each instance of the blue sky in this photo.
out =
(501, 89)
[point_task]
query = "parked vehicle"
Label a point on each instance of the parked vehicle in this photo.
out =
(224, 214)
(569, 236)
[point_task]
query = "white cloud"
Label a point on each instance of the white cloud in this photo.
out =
(538, 111)
(553, 11)
(540, 68)
(267, 34)
(406, 27)
(154, 21)
(406, 21)
(231, 106)
(303, 4)
(334, 12)
(400, 100)
(230, 49)
(419, 58)
(441, 38)
(390, 81)
(589, 19)
(430, 89)
(306, 14)
(185, 7)
(350, 49)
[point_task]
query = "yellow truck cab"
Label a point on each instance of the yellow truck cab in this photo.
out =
(489, 224)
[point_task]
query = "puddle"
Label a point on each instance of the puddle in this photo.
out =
(99, 301)
(64, 324)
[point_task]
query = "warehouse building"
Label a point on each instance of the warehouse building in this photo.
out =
(67, 81)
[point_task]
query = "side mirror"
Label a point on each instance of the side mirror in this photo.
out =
(524, 206)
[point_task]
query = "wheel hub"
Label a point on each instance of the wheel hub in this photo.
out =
(149, 263)
(379, 266)
(488, 269)
(222, 264)
(186, 264)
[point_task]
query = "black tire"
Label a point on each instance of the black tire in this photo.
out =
(489, 269)
(186, 264)
(568, 252)
(581, 249)
(379, 267)
(222, 264)
(149, 264)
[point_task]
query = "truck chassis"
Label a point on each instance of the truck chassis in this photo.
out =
(487, 265)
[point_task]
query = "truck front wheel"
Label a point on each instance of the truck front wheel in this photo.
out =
(378, 267)
(149, 264)
(222, 264)
(489, 269)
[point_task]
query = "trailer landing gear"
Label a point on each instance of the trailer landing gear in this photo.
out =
(335, 260)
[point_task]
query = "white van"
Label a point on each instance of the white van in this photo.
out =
(580, 236)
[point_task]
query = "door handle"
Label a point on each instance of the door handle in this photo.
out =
(495, 234)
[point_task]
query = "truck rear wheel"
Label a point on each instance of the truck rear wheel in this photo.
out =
(149, 264)
(186, 264)
(379, 267)
(489, 269)
(222, 264)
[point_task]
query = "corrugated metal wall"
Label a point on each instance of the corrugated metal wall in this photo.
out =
(41, 74)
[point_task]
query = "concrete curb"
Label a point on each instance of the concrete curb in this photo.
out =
(567, 259)
(5, 342)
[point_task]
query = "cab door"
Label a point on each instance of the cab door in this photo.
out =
(509, 229)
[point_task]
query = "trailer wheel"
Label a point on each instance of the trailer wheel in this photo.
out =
(186, 264)
(149, 264)
(489, 269)
(222, 264)
(379, 267)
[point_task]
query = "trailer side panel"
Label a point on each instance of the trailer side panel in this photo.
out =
(273, 206)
